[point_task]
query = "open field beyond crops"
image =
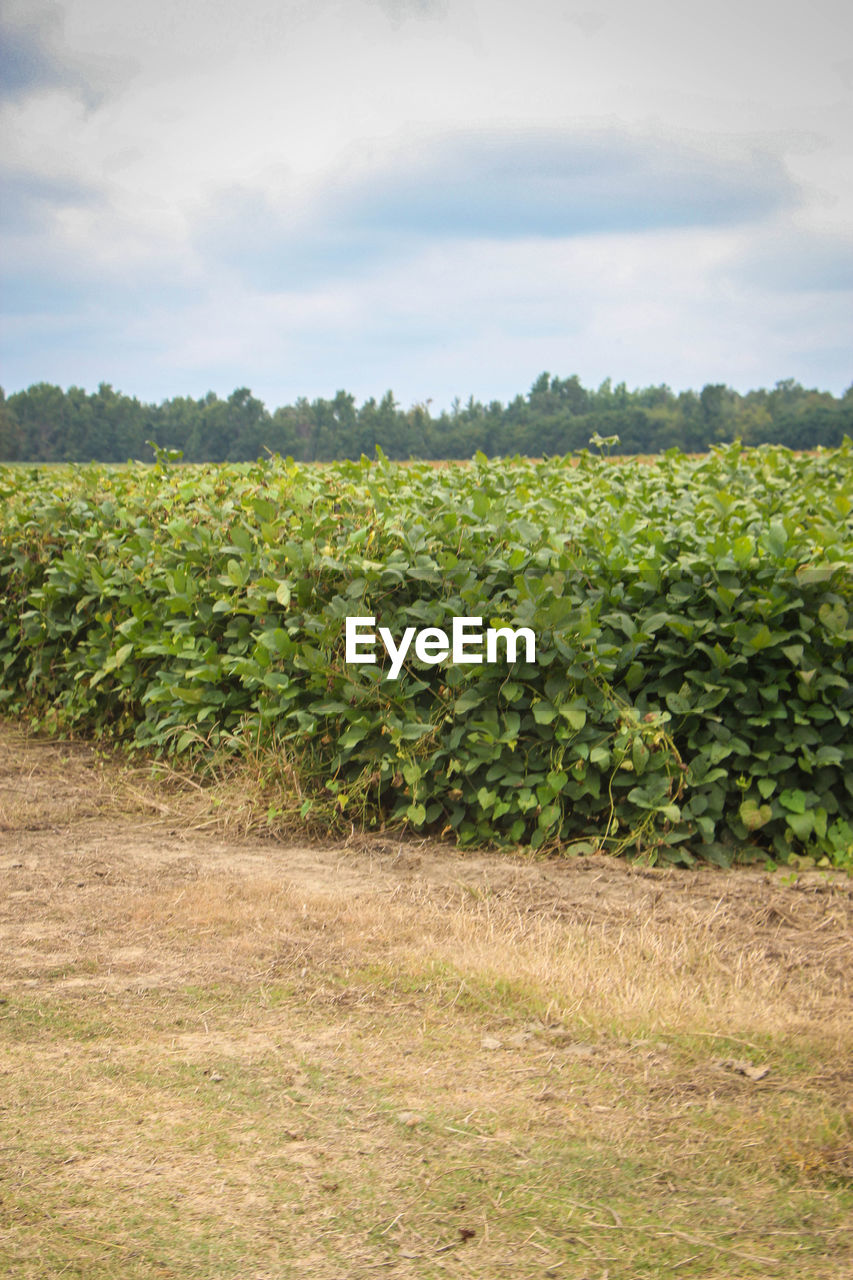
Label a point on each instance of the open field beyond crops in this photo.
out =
(247, 1060)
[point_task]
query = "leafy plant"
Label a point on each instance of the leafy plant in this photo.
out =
(691, 693)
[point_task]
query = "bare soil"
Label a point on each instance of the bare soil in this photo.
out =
(428, 1063)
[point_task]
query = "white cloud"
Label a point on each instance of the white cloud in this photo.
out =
(218, 194)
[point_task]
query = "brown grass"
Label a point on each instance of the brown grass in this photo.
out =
(235, 1058)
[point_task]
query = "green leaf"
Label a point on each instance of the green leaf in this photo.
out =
(576, 715)
(833, 617)
(802, 824)
(412, 731)
(743, 548)
(754, 816)
(794, 801)
(237, 573)
(762, 638)
(482, 505)
(776, 538)
(549, 817)
(264, 509)
(123, 654)
(354, 734)
(639, 755)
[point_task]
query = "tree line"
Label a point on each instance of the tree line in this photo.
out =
(557, 416)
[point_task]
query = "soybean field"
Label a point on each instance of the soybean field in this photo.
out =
(690, 697)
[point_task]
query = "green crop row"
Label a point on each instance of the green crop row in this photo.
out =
(691, 694)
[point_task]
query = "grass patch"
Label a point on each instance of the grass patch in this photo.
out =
(189, 1134)
(225, 1060)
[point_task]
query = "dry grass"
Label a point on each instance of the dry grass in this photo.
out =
(234, 1058)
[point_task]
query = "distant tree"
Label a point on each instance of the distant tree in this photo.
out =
(11, 437)
(44, 415)
(558, 415)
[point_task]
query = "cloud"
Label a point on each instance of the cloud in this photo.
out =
(844, 71)
(498, 185)
(26, 59)
(441, 196)
(556, 183)
(398, 10)
(31, 201)
(463, 317)
(36, 58)
(793, 260)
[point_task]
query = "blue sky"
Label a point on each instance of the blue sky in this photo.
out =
(441, 197)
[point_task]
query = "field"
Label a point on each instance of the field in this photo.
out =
(312, 966)
(238, 1059)
(689, 696)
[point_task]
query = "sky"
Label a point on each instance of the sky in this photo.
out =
(438, 197)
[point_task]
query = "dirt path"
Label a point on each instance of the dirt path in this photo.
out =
(430, 1063)
(71, 823)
